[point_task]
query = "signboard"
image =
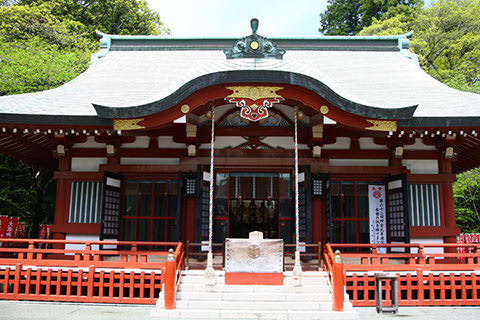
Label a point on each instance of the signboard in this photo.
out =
(377, 208)
(254, 255)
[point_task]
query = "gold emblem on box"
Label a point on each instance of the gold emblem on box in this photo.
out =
(253, 251)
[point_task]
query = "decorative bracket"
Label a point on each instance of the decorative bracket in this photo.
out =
(254, 101)
(254, 46)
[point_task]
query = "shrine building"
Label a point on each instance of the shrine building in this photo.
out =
(379, 140)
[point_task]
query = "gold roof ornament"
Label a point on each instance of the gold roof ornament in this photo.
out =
(127, 124)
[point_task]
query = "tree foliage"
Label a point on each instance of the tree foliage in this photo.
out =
(38, 51)
(348, 17)
(109, 16)
(466, 191)
(446, 39)
(43, 44)
(26, 192)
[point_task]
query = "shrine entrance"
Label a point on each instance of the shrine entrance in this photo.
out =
(254, 201)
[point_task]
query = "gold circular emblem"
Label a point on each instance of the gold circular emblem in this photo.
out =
(324, 109)
(254, 93)
(254, 251)
(254, 45)
(185, 108)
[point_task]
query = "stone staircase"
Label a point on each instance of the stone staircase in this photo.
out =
(195, 300)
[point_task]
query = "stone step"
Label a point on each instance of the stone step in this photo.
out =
(253, 305)
(253, 296)
(201, 287)
(197, 314)
(286, 280)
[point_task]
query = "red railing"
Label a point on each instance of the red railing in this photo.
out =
(334, 266)
(173, 268)
(428, 274)
(121, 272)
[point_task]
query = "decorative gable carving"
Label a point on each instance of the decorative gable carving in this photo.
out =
(254, 46)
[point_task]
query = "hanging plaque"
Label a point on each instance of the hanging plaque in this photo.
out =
(378, 223)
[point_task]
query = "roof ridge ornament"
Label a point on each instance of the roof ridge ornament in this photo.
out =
(254, 46)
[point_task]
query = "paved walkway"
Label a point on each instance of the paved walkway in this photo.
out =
(422, 313)
(28, 310)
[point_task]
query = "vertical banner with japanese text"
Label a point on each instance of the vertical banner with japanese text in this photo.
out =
(378, 221)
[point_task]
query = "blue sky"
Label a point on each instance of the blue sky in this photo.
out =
(231, 18)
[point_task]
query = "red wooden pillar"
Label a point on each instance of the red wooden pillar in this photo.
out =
(62, 202)
(189, 222)
(448, 210)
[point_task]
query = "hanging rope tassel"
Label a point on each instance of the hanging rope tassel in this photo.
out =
(297, 269)
(209, 271)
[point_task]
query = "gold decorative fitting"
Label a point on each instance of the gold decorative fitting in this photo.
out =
(254, 101)
(185, 108)
(254, 93)
(254, 45)
(127, 124)
(324, 109)
(382, 125)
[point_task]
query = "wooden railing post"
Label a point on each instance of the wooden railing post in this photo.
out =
(16, 284)
(187, 254)
(170, 283)
(338, 283)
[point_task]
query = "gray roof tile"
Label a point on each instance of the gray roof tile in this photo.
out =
(382, 79)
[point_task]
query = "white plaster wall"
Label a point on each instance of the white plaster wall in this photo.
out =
(87, 164)
(327, 120)
(167, 143)
(283, 142)
(421, 166)
(419, 145)
(359, 162)
(90, 143)
(180, 120)
(224, 142)
(342, 143)
(81, 237)
(141, 142)
(149, 161)
(367, 143)
(427, 240)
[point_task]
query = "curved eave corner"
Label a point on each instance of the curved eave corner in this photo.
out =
(251, 76)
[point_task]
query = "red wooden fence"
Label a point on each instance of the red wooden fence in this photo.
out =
(424, 278)
(45, 270)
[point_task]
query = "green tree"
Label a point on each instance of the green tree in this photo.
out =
(348, 17)
(43, 44)
(26, 192)
(108, 16)
(446, 38)
(342, 17)
(466, 192)
(448, 42)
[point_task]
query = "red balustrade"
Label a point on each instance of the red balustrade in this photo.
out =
(428, 274)
(103, 271)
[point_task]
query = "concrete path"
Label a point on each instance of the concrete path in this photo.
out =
(422, 313)
(28, 310)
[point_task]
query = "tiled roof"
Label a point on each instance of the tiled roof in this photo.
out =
(148, 69)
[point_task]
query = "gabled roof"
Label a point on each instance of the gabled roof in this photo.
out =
(140, 75)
